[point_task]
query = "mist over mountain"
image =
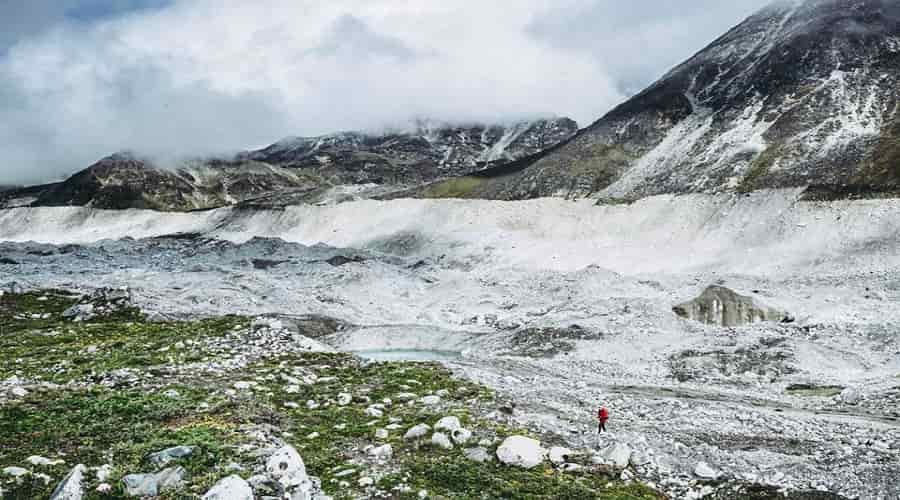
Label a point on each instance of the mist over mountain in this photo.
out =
(802, 93)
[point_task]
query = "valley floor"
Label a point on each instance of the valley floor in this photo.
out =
(559, 307)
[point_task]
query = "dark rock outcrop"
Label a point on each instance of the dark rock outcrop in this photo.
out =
(802, 93)
(298, 170)
(721, 306)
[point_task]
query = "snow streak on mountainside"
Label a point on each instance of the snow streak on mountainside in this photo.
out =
(801, 93)
(300, 170)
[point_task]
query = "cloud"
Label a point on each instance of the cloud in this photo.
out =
(195, 77)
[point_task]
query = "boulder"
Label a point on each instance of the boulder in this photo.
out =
(441, 440)
(430, 400)
(478, 454)
(42, 461)
(287, 467)
(151, 485)
(382, 453)
(721, 306)
(71, 487)
(616, 454)
(230, 488)
(704, 471)
(448, 424)
(344, 399)
(559, 455)
(169, 454)
(461, 436)
(417, 432)
(521, 451)
(79, 312)
(15, 471)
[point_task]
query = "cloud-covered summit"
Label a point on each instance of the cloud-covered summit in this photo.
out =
(187, 77)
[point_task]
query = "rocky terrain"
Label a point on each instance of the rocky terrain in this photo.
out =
(97, 401)
(803, 93)
(299, 170)
(318, 332)
(554, 313)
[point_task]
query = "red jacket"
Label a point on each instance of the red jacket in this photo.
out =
(603, 414)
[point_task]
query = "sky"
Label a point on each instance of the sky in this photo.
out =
(80, 79)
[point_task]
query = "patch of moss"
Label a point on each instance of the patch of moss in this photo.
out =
(759, 169)
(457, 187)
(100, 426)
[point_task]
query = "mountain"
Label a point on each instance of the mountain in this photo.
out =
(299, 170)
(802, 93)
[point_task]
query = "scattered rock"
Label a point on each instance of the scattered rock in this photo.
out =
(704, 471)
(616, 454)
(230, 488)
(478, 454)
(340, 260)
(18, 392)
(441, 440)
(41, 461)
(151, 485)
(104, 472)
(721, 306)
(287, 467)
(559, 455)
(521, 451)
(448, 424)
(382, 453)
(265, 486)
(79, 312)
(381, 434)
(365, 482)
(417, 432)
(15, 471)
(430, 400)
(71, 487)
(165, 456)
(461, 436)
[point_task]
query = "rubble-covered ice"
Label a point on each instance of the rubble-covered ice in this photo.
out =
(562, 306)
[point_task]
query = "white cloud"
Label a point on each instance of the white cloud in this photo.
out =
(204, 76)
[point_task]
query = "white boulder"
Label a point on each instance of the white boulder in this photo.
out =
(704, 471)
(521, 451)
(441, 440)
(287, 467)
(230, 488)
(616, 454)
(71, 487)
(448, 424)
(417, 432)
(558, 454)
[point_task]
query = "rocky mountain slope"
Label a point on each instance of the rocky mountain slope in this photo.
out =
(298, 169)
(803, 93)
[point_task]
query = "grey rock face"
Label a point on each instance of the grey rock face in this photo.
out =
(151, 485)
(297, 170)
(230, 488)
(800, 94)
(165, 456)
(721, 306)
(478, 454)
(71, 487)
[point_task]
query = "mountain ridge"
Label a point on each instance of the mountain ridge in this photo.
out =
(799, 94)
(299, 170)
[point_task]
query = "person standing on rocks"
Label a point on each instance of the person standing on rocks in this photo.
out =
(602, 417)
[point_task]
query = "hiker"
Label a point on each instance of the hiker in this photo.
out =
(602, 417)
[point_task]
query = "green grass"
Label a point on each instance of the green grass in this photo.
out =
(86, 422)
(95, 427)
(458, 187)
